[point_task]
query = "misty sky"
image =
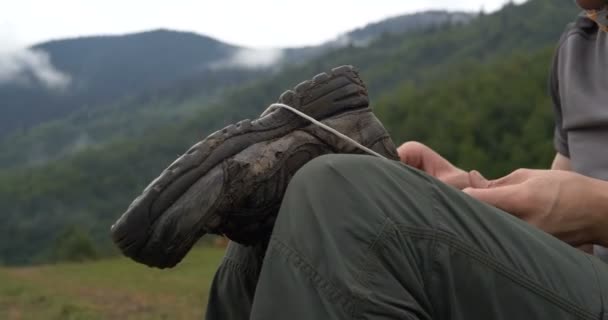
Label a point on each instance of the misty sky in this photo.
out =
(254, 23)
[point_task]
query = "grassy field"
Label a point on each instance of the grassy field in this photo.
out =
(109, 289)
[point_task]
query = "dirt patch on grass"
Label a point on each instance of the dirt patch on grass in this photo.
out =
(14, 313)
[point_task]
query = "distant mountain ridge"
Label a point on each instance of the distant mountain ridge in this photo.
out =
(103, 69)
(106, 68)
(136, 61)
(410, 22)
(400, 24)
(111, 76)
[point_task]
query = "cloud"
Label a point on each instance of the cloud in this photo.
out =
(251, 59)
(20, 66)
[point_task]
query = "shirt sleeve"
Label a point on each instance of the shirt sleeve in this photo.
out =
(560, 138)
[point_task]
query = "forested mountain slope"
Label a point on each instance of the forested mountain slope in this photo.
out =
(101, 70)
(124, 86)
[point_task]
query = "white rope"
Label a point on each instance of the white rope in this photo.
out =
(328, 128)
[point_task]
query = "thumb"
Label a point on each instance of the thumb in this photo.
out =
(477, 180)
(504, 198)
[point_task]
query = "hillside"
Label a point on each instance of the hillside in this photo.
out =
(124, 86)
(364, 36)
(414, 22)
(102, 70)
(494, 117)
(132, 117)
(476, 92)
(109, 289)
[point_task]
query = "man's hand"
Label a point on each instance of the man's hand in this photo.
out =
(565, 204)
(423, 158)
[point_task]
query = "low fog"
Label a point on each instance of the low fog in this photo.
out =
(251, 59)
(19, 66)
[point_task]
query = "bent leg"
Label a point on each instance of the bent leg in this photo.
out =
(364, 238)
(234, 284)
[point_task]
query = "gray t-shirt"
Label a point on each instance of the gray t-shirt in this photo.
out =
(579, 88)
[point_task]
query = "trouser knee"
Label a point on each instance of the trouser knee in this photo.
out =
(351, 191)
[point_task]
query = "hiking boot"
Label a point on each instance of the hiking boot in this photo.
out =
(232, 183)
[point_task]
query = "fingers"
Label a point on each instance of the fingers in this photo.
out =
(511, 193)
(517, 177)
(461, 180)
(506, 198)
(413, 153)
(476, 180)
(419, 156)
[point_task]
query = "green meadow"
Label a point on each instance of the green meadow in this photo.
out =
(116, 288)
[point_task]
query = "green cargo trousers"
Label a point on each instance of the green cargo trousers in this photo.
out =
(359, 237)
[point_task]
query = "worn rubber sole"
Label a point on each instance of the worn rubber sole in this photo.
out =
(325, 95)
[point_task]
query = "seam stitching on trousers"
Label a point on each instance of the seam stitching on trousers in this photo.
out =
(434, 249)
(599, 287)
(515, 277)
(364, 274)
(427, 306)
(235, 266)
(329, 289)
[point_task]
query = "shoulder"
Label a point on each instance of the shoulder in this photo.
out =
(582, 28)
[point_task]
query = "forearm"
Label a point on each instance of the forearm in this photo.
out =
(597, 202)
(563, 163)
